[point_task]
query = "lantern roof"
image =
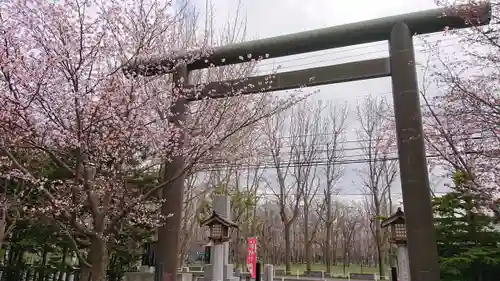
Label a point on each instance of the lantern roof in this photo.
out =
(396, 218)
(217, 218)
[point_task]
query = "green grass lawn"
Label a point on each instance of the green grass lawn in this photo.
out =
(336, 270)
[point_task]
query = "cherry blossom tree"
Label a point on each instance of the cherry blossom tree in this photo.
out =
(66, 103)
(462, 118)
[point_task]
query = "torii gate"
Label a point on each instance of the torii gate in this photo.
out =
(400, 65)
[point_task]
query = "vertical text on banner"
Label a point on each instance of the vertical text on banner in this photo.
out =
(252, 256)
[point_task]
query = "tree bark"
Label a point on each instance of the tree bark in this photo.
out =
(379, 252)
(307, 244)
(328, 248)
(378, 236)
(328, 224)
(3, 225)
(288, 249)
(98, 258)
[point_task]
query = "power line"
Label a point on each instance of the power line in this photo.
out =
(374, 139)
(320, 161)
(349, 56)
(264, 194)
(291, 164)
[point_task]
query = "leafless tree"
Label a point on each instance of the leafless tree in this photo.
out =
(194, 196)
(377, 142)
(287, 194)
(305, 134)
(365, 246)
(352, 234)
(269, 232)
(333, 134)
(244, 207)
(348, 220)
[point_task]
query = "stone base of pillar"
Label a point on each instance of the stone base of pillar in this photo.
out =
(403, 263)
(185, 276)
(229, 273)
(268, 272)
(207, 272)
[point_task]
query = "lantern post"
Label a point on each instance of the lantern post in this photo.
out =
(219, 229)
(397, 231)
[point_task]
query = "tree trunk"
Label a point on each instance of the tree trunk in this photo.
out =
(328, 249)
(240, 251)
(307, 244)
(344, 263)
(378, 236)
(328, 242)
(334, 248)
(379, 251)
(98, 259)
(3, 227)
(184, 245)
(288, 248)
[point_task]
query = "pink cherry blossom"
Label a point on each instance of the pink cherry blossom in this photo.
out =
(66, 102)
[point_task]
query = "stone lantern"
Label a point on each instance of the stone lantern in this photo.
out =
(397, 226)
(220, 228)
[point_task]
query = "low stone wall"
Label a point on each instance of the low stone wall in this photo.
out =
(195, 268)
(313, 273)
(280, 272)
(316, 274)
(147, 276)
(279, 275)
(150, 276)
(362, 276)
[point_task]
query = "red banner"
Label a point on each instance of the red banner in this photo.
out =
(252, 256)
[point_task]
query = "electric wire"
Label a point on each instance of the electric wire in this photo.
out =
(301, 164)
(361, 47)
(340, 159)
(280, 67)
(320, 194)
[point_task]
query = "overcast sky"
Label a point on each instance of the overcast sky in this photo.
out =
(268, 18)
